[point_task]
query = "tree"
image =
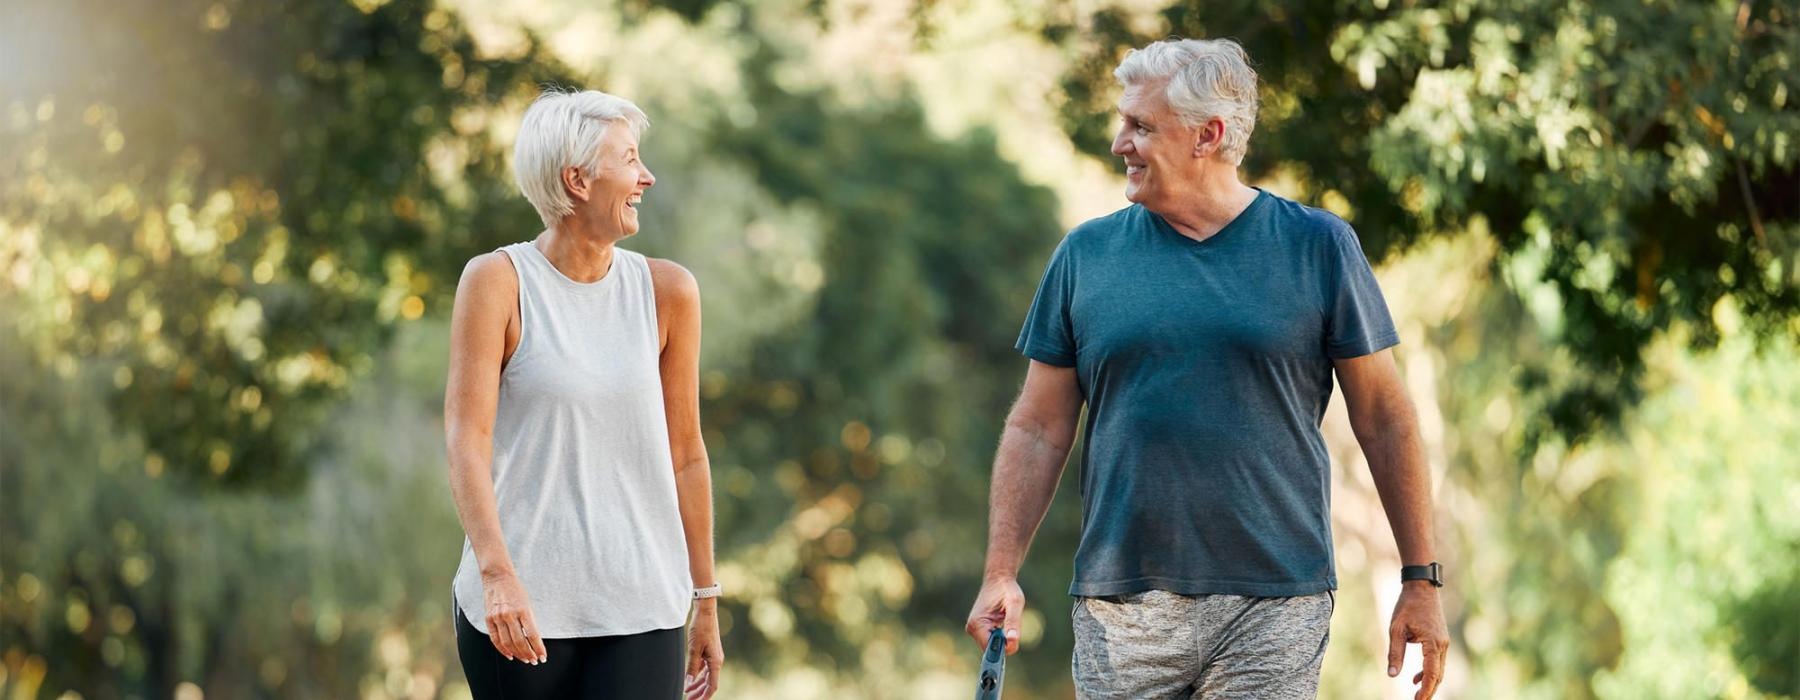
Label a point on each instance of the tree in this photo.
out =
(230, 205)
(1638, 158)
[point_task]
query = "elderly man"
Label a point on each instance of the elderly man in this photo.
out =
(1202, 326)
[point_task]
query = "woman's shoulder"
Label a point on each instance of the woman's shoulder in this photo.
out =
(491, 270)
(672, 281)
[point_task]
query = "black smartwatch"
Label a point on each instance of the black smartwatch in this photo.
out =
(1430, 572)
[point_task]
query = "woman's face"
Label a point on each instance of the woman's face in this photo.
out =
(619, 180)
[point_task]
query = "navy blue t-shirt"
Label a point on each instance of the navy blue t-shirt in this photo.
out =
(1206, 366)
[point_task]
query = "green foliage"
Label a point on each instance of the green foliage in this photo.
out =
(1640, 155)
(1767, 642)
(872, 404)
(218, 219)
(231, 204)
(129, 584)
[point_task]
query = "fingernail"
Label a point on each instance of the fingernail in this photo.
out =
(1393, 671)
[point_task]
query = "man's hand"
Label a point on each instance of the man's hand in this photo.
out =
(1419, 619)
(998, 605)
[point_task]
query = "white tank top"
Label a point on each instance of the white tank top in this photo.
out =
(582, 473)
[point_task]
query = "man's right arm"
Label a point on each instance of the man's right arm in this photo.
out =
(1033, 449)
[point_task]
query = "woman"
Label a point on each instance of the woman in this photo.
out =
(572, 417)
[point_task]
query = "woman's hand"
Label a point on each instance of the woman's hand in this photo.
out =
(510, 625)
(705, 656)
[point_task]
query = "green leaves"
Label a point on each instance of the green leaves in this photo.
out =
(233, 205)
(1640, 152)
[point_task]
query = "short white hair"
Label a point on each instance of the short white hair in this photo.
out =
(564, 128)
(1206, 78)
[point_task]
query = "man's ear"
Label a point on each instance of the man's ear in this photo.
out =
(577, 183)
(1209, 138)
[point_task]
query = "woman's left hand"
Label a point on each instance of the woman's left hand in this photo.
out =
(705, 655)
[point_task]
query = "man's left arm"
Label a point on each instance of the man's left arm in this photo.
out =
(1387, 428)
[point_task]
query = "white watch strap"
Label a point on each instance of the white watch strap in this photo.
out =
(711, 591)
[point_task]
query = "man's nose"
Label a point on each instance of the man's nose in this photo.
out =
(1121, 145)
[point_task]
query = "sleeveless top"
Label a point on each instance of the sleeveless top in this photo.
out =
(583, 477)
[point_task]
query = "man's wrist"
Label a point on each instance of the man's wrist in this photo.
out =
(1430, 574)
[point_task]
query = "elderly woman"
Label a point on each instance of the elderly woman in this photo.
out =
(572, 417)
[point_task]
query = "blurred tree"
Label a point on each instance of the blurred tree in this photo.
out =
(1640, 158)
(879, 406)
(231, 203)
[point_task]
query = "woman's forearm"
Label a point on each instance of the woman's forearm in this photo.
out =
(693, 486)
(472, 487)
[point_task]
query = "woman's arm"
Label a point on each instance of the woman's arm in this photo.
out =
(678, 322)
(479, 340)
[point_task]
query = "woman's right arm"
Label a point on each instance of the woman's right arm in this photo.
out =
(485, 299)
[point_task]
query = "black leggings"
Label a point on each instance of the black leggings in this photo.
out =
(643, 665)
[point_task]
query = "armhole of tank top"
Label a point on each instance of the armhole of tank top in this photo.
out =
(650, 295)
(519, 301)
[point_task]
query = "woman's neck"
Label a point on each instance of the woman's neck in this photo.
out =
(577, 251)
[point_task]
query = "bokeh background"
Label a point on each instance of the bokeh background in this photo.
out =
(230, 232)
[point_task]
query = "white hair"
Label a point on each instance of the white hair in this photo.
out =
(564, 128)
(1206, 78)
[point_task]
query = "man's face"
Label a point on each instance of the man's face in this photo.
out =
(619, 180)
(1159, 151)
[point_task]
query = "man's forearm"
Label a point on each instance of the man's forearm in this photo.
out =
(1026, 469)
(1403, 480)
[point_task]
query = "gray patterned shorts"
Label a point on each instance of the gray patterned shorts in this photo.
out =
(1158, 644)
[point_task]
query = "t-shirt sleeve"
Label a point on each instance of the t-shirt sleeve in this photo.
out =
(1047, 336)
(1357, 319)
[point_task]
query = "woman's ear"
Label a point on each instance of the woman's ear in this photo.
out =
(577, 183)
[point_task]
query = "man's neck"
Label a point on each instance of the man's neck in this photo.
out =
(1211, 206)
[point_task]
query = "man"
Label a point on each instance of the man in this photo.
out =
(1202, 326)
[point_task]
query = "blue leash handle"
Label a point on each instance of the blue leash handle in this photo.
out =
(993, 667)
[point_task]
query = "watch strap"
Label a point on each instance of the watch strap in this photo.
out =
(1432, 572)
(712, 591)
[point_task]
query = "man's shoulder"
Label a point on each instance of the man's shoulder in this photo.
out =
(1099, 228)
(1308, 220)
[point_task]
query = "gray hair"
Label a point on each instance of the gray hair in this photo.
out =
(1207, 78)
(564, 128)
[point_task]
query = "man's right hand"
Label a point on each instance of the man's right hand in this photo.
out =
(510, 625)
(998, 605)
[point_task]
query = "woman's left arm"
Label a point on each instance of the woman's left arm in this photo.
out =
(678, 323)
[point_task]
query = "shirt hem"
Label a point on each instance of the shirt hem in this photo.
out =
(1047, 357)
(1361, 349)
(480, 625)
(1254, 589)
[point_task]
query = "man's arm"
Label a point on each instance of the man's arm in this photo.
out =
(1035, 445)
(1387, 428)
